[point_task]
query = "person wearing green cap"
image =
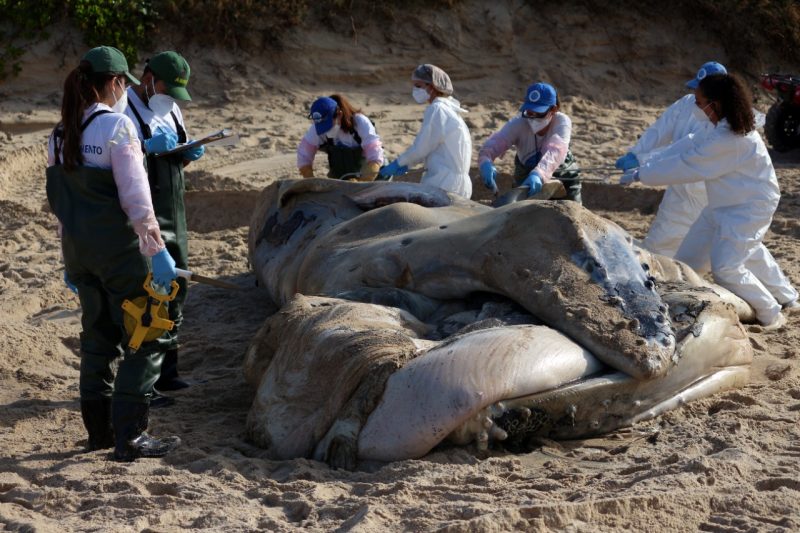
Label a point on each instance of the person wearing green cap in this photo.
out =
(110, 240)
(152, 104)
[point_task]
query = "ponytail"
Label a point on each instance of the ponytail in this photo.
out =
(82, 88)
(348, 112)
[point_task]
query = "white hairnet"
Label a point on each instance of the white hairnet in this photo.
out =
(435, 76)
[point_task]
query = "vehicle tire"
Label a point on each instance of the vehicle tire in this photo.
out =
(781, 126)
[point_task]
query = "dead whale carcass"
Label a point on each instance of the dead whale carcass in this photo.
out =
(428, 254)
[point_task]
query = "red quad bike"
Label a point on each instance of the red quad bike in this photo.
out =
(782, 126)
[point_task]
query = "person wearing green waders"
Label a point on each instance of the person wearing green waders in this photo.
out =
(110, 239)
(153, 107)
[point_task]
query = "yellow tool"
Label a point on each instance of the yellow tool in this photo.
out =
(145, 317)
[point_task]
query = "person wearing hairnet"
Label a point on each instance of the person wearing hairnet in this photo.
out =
(348, 137)
(733, 163)
(153, 107)
(682, 202)
(110, 239)
(541, 135)
(443, 142)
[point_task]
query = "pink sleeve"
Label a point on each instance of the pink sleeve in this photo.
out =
(305, 153)
(133, 187)
(494, 147)
(371, 144)
(554, 152)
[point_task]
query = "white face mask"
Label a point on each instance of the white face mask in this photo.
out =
(538, 124)
(159, 104)
(121, 103)
(420, 95)
(333, 132)
(700, 114)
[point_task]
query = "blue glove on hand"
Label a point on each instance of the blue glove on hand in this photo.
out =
(629, 177)
(195, 153)
(69, 284)
(533, 182)
(627, 161)
(163, 269)
(489, 173)
(393, 169)
(162, 141)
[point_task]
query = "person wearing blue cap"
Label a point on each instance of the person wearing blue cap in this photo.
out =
(153, 107)
(678, 127)
(110, 239)
(541, 135)
(743, 193)
(348, 137)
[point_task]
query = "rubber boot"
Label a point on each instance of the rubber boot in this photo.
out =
(169, 379)
(97, 420)
(130, 420)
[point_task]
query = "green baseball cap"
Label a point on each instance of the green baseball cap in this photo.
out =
(173, 70)
(107, 59)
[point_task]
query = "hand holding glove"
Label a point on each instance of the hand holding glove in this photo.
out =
(162, 141)
(193, 154)
(393, 169)
(629, 177)
(163, 269)
(627, 161)
(489, 173)
(69, 284)
(533, 182)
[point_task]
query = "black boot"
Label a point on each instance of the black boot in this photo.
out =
(97, 419)
(130, 420)
(169, 379)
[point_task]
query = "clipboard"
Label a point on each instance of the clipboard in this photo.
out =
(225, 137)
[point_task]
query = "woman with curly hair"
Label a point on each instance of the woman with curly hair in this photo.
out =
(743, 195)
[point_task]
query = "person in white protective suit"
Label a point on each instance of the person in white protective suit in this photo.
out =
(743, 194)
(443, 142)
(682, 203)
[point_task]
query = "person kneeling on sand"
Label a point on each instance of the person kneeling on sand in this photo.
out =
(681, 124)
(443, 142)
(97, 187)
(348, 137)
(541, 134)
(743, 195)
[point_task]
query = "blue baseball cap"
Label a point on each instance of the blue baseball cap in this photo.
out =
(539, 98)
(323, 111)
(708, 69)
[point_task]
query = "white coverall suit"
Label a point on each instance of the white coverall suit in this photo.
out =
(743, 194)
(682, 202)
(443, 142)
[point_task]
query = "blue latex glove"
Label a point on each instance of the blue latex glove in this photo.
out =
(489, 173)
(162, 140)
(163, 269)
(69, 284)
(629, 177)
(533, 182)
(393, 169)
(195, 153)
(627, 161)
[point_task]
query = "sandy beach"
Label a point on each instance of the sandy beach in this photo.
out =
(727, 463)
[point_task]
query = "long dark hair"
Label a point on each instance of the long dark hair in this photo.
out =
(348, 112)
(82, 88)
(733, 100)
